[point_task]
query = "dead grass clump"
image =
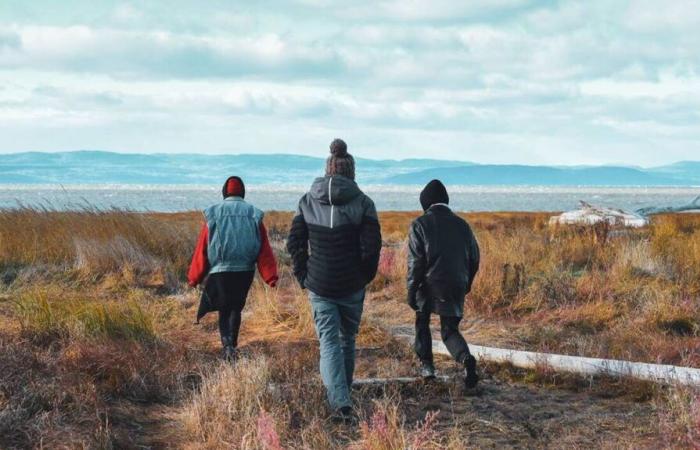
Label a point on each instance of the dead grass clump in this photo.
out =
(230, 401)
(677, 318)
(40, 409)
(385, 429)
(556, 288)
(636, 259)
(96, 241)
(676, 241)
(129, 370)
(43, 318)
(679, 418)
(281, 311)
(590, 318)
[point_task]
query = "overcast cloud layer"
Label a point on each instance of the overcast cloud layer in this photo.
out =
(497, 81)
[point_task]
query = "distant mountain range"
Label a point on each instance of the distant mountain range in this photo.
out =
(97, 167)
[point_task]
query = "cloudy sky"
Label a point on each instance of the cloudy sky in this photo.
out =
(491, 81)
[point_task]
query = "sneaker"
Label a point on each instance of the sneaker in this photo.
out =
(470, 376)
(343, 416)
(427, 371)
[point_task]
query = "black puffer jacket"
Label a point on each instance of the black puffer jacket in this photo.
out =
(442, 263)
(335, 238)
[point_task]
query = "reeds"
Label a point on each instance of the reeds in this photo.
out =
(87, 304)
(43, 317)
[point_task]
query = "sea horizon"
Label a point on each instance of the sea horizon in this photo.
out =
(284, 196)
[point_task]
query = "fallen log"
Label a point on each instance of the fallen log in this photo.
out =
(651, 210)
(658, 373)
(588, 214)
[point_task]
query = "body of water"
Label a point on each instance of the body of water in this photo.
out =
(400, 198)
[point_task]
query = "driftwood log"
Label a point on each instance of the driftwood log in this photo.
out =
(658, 373)
(651, 210)
(588, 214)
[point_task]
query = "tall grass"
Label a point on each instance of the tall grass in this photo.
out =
(43, 316)
(225, 411)
(632, 294)
(95, 242)
(679, 418)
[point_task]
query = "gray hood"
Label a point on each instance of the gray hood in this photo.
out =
(335, 190)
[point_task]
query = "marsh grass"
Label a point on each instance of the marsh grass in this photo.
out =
(226, 407)
(679, 418)
(87, 291)
(44, 317)
(146, 248)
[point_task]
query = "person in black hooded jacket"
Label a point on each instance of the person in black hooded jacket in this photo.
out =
(335, 241)
(443, 261)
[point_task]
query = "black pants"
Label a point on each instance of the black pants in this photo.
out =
(449, 330)
(227, 293)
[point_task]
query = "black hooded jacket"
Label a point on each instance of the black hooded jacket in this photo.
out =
(335, 238)
(442, 262)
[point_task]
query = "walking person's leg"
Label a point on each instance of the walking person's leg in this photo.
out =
(350, 317)
(423, 344)
(229, 325)
(234, 288)
(332, 363)
(458, 348)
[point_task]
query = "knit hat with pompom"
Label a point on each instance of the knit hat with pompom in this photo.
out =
(340, 162)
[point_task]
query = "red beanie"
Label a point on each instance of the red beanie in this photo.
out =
(234, 187)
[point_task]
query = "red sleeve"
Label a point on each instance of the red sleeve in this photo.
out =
(267, 265)
(200, 263)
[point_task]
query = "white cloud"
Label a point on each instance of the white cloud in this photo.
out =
(498, 81)
(426, 10)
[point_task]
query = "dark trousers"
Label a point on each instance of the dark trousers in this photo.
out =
(449, 330)
(227, 293)
(229, 326)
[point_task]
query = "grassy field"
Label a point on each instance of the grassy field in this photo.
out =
(98, 348)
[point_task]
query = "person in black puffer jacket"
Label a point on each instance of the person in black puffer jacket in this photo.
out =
(443, 261)
(335, 241)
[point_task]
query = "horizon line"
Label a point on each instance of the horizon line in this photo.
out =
(468, 162)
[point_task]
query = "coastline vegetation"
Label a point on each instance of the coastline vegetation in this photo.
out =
(98, 347)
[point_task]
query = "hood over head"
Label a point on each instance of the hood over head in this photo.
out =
(334, 190)
(434, 192)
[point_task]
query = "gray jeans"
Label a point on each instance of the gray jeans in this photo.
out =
(337, 324)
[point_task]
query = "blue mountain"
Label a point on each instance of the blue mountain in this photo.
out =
(541, 175)
(98, 167)
(119, 168)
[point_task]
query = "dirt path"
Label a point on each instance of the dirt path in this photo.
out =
(505, 415)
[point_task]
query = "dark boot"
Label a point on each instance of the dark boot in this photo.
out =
(427, 371)
(344, 416)
(470, 376)
(230, 352)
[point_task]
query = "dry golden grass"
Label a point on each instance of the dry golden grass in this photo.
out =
(96, 332)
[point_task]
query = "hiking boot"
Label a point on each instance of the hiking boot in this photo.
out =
(343, 416)
(470, 376)
(427, 371)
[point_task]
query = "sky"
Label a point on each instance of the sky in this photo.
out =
(489, 81)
